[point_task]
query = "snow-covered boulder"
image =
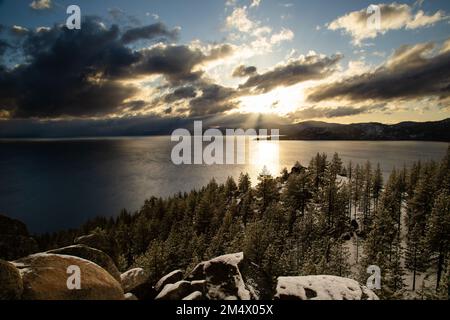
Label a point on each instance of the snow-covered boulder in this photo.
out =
(175, 291)
(172, 277)
(45, 277)
(321, 287)
(130, 297)
(133, 278)
(91, 254)
(223, 277)
(11, 285)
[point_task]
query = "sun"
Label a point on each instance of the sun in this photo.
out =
(280, 101)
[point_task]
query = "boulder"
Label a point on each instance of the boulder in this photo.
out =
(223, 277)
(172, 277)
(321, 287)
(101, 242)
(199, 285)
(11, 284)
(196, 295)
(130, 297)
(45, 277)
(15, 241)
(175, 291)
(133, 278)
(91, 254)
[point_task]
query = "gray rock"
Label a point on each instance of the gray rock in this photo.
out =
(322, 287)
(133, 278)
(175, 291)
(172, 277)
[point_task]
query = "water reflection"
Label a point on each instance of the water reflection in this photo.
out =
(56, 184)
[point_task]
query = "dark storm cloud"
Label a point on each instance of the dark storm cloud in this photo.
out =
(177, 62)
(243, 71)
(3, 46)
(309, 68)
(78, 72)
(69, 73)
(328, 112)
(410, 73)
(157, 30)
(181, 94)
(214, 99)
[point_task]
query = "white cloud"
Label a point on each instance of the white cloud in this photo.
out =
(255, 3)
(41, 4)
(283, 35)
(263, 36)
(393, 16)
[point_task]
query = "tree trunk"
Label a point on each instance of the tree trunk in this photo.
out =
(439, 269)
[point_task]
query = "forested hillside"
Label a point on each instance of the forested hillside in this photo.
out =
(326, 218)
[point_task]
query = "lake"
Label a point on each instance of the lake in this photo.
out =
(57, 184)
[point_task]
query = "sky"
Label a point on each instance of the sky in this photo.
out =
(157, 64)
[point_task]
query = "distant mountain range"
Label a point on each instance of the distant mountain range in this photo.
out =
(315, 130)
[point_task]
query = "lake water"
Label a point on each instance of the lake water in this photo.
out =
(56, 184)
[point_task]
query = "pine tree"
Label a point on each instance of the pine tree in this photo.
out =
(377, 185)
(438, 233)
(266, 190)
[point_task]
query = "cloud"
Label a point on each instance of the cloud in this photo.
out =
(415, 71)
(213, 99)
(181, 94)
(19, 30)
(149, 32)
(393, 16)
(41, 4)
(178, 63)
(243, 71)
(312, 67)
(255, 3)
(334, 112)
(239, 20)
(93, 73)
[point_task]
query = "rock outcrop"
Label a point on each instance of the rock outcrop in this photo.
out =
(101, 242)
(91, 254)
(172, 277)
(11, 285)
(15, 241)
(45, 277)
(232, 277)
(321, 288)
(228, 277)
(133, 278)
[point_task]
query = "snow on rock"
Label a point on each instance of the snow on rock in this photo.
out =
(223, 277)
(45, 277)
(321, 287)
(172, 277)
(175, 291)
(133, 278)
(91, 254)
(130, 297)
